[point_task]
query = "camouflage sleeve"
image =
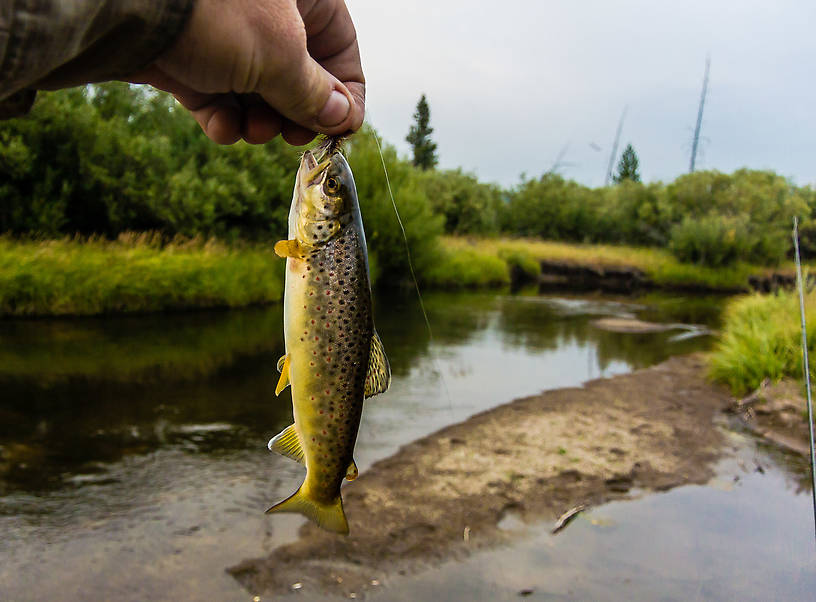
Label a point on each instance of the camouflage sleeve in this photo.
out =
(50, 44)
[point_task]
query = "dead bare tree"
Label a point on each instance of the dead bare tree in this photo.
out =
(696, 140)
(614, 152)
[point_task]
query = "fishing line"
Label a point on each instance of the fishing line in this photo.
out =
(805, 365)
(411, 267)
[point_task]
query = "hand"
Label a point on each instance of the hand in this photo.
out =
(254, 69)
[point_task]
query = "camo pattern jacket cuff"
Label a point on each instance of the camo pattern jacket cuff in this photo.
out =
(51, 44)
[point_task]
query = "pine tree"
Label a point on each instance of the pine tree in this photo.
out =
(420, 137)
(628, 166)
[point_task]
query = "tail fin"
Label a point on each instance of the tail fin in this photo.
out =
(327, 516)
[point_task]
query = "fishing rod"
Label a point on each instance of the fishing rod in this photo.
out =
(805, 365)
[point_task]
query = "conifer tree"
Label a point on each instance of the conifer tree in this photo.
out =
(628, 166)
(420, 137)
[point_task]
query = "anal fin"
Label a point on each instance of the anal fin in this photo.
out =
(287, 443)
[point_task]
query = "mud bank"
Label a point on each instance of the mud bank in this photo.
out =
(778, 413)
(443, 496)
(567, 275)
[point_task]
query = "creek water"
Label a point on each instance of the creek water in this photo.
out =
(133, 460)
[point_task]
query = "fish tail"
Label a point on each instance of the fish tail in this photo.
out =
(328, 516)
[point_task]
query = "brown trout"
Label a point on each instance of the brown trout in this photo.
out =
(334, 357)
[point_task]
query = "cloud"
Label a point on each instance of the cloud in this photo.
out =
(510, 84)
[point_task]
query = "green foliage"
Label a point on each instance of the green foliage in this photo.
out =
(467, 205)
(112, 157)
(761, 338)
(383, 234)
(745, 216)
(628, 166)
(708, 218)
(554, 208)
(136, 273)
(419, 135)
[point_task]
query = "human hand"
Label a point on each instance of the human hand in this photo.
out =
(254, 69)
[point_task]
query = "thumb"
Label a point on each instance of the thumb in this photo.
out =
(312, 97)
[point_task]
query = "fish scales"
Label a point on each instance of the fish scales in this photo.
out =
(334, 357)
(329, 308)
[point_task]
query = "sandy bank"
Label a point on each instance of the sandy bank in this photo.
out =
(443, 496)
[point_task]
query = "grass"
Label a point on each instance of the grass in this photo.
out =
(466, 266)
(659, 265)
(761, 338)
(135, 273)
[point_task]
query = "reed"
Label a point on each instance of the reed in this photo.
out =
(138, 272)
(761, 338)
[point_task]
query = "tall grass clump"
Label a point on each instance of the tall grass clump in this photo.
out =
(761, 338)
(136, 273)
(462, 264)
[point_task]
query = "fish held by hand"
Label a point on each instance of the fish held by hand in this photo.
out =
(334, 358)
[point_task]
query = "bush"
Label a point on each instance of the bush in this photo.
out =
(761, 338)
(383, 233)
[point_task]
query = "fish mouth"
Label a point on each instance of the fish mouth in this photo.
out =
(311, 171)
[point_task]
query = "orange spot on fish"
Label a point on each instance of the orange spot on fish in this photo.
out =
(312, 321)
(327, 324)
(311, 294)
(321, 411)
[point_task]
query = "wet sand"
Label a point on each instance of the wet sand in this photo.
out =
(443, 496)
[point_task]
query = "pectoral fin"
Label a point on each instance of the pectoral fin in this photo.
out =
(289, 248)
(287, 443)
(378, 378)
(283, 368)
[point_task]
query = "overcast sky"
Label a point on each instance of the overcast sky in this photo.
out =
(511, 84)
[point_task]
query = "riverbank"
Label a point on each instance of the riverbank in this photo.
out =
(443, 496)
(474, 262)
(139, 273)
(135, 273)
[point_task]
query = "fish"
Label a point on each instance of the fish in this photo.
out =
(334, 357)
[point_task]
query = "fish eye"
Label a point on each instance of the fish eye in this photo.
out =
(332, 185)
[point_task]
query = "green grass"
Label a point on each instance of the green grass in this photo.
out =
(461, 266)
(133, 274)
(761, 338)
(658, 265)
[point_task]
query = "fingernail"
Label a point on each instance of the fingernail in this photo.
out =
(335, 110)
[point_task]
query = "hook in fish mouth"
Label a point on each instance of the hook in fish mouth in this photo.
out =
(313, 169)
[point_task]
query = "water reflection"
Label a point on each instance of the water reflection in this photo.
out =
(80, 393)
(140, 441)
